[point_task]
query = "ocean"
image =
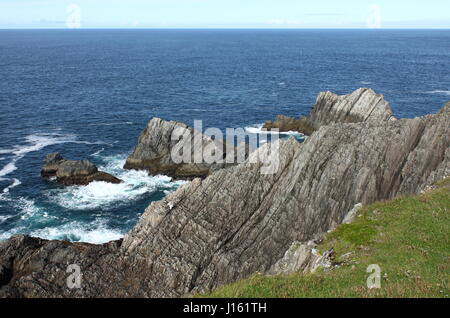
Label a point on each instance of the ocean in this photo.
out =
(89, 93)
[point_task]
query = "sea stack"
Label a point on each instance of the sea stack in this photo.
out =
(74, 172)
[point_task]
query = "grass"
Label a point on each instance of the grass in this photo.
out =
(408, 237)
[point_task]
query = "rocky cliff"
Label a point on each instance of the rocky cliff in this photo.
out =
(360, 106)
(239, 221)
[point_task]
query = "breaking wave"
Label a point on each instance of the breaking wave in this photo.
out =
(34, 143)
(95, 233)
(102, 194)
(439, 92)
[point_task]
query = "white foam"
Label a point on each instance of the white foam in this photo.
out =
(10, 167)
(97, 233)
(102, 194)
(258, 129)
(439, 92)
(98, 152)
(3, 218)
(16, 182)
(34, 143)
(366, 83)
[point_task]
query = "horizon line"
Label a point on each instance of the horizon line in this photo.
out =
(219, 28)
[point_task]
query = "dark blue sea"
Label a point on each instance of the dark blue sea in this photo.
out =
(89, 93)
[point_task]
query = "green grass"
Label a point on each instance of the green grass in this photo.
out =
(408, 237)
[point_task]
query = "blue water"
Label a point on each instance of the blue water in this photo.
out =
(89, 93)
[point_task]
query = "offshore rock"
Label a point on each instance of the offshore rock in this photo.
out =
(74, 172)
(155, 146)
(360, 106)
(238, 221)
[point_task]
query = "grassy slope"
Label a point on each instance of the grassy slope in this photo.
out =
(409, 238)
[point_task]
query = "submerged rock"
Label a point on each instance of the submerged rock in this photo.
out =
(238, 221)
(360, 106)
(74, 172)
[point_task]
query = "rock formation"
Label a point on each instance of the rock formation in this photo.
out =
(238, 221)
(154, 151)
(73, 172)
(287, 124)
(361, 105)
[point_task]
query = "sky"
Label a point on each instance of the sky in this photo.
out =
(224, 14)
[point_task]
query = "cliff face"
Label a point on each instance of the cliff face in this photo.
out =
(360, 106)
(239, 221)
(155, 146)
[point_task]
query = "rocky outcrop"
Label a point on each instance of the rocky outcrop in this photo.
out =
(287, 124)
(239, 221)
(73, 172)
(302, 257)
(155, 146)
(360, 106)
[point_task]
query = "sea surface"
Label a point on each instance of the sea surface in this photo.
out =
(89, 93)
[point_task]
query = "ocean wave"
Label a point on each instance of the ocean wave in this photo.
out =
(34, 143)
(94, 233)
(3, 218)
(97, 233)
(8, 168)
(97, 152)
(113, 124)
(16, 182)
(439, 92)
(102, 194)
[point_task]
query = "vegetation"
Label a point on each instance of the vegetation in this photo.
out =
(408, 237)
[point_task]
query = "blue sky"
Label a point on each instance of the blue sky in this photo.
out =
(225, 14)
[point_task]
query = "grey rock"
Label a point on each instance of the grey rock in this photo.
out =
(75, 168)
(302, 257)
(238, 221)
(74, 172)
(360, 106)
(53, 158)
(350, 217)
(51, 164)
(155, 145)
(287, 124)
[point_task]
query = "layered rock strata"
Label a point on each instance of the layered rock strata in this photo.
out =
(157, 144)
(360, 106)
(239, 221)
